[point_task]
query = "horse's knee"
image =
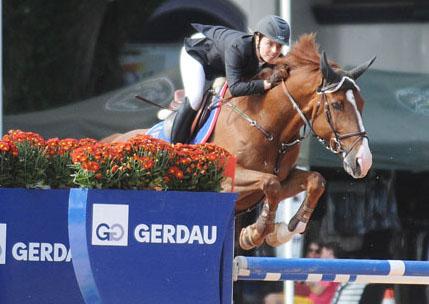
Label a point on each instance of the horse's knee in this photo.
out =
(316, 182)
(271, 183)
(271, 187)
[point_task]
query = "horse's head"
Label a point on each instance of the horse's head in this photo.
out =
(337, 117)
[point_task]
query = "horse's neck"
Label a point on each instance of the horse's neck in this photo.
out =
(286, 118)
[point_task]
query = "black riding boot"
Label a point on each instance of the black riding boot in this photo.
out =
(181, 130)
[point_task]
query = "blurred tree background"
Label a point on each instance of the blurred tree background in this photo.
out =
(57, 52)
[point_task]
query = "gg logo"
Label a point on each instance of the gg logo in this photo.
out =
(109, 233)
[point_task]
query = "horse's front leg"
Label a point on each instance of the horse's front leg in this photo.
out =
(250, 181)
(298, 180)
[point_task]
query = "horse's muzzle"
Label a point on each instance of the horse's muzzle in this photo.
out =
(358, 162)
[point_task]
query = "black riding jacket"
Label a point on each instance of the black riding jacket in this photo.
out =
(230, 53)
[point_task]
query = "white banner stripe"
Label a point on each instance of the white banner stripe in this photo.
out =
(392, 279)
(397, 268)
(244, 272)
(342, 278)
(273, 276)
(314, 277)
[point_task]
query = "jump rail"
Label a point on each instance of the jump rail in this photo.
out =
(337, 270)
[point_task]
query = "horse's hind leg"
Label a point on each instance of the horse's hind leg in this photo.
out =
(311, 182)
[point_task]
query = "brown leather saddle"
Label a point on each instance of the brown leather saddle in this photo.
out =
(202, 114)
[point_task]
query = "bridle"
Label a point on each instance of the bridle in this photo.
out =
(335, 144)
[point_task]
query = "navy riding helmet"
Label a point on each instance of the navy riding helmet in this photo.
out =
(275, 28)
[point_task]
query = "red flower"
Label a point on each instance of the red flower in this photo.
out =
(114, 168)
(175, 171)
(4, 146)
(212, 156)
(16, 136)
(148, 164)
(91, 166)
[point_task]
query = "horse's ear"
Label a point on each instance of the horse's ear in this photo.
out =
(357, 71)
(328, 73)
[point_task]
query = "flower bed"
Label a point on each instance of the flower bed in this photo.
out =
(28, 160)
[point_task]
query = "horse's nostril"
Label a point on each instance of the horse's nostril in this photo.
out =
(358, 162)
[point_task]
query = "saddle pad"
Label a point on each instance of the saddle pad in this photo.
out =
(206, 130)
(157, 131)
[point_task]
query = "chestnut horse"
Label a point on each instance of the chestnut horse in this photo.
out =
(264, 133)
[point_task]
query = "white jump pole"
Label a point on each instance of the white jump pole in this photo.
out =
(335, 270)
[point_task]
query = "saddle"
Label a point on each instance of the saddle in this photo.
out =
(202, 114)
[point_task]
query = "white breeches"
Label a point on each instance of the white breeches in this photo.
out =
(193, 78)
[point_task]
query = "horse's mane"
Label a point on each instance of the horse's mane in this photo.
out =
(304, 52)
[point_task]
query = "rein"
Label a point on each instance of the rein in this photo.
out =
(252, 122)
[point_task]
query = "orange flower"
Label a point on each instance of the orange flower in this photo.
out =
(4, 146)
(172, 170)
(175, 171)
(20, 136)
(52, 146)
(68, 144)
(179, 174)
(212, 157)
(115, 168)
(87, 142)
(148, 164)
(91, 166)
(185, 161)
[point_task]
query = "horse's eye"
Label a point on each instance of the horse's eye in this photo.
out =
(338, 106)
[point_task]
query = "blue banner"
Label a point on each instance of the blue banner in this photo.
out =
(35, 253)
(114, 246)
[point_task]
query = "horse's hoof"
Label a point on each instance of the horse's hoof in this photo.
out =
(293, 223)
(279, 236)
(283, 234)
(246, 242)
(296, 225)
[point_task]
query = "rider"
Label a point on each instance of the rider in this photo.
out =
(225, 52)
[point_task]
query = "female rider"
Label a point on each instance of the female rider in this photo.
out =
(238, 56)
